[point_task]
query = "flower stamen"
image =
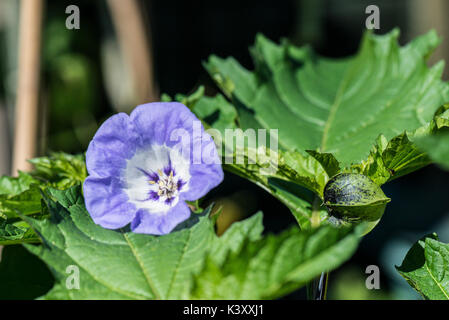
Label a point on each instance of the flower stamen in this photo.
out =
(168, 186)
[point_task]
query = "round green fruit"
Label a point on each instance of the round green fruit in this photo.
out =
(353, 197)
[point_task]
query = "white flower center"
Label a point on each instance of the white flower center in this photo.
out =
(154, 178)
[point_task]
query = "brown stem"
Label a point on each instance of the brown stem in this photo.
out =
(27, 97)
(136, 47)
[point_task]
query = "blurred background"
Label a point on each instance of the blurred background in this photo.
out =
(128, 52)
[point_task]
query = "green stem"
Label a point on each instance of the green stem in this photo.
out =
(317, 288)
(315, 219)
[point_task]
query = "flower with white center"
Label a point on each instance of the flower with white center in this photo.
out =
(143, 167)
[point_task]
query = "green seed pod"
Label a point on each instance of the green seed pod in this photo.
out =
(353, 197)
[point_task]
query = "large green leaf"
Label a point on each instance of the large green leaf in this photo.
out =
(125, 265)
(425, 267)
(112, 264)
(275, 265)
(359, 114)
(337, 106)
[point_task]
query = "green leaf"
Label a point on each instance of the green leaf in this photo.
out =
(437, 147)
(374, 166)
(113, 264)
(327, 161)
(13, 229)
(338, 106)
(190, 100)
(425, 267)
(16, 233)
(216, 110)
(303, 170)
(400, 156)
(14, 185)
(360, 114)
(124, 265)
(28, 202)
(235, 237)
(275, 265)
(440, 120)
(22, 194)
(294, 175)
(60, 170)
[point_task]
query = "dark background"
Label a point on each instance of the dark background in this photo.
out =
(183, 34)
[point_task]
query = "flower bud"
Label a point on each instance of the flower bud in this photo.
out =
(353, 197)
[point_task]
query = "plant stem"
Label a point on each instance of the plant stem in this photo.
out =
(317, 288)
(315, 218)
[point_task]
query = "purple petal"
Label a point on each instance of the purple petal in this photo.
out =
(205, 175)
(155, 122)
(160, 224)
(107, 203)
(201, 183)
(114, 142)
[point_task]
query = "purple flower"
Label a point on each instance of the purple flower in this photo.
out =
(143, 167)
